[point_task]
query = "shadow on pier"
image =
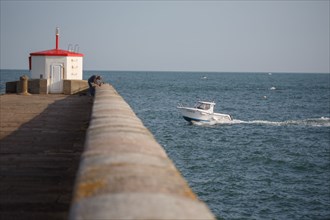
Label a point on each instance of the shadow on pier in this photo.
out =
(41, 141)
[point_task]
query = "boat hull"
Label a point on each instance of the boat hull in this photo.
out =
(197, 115)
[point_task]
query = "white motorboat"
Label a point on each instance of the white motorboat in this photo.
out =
(203, 112)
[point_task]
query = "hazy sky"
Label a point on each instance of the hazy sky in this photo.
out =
(221, 36)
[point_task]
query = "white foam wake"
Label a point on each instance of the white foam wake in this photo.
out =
(313, 122)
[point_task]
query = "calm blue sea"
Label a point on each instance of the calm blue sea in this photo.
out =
(272, 162)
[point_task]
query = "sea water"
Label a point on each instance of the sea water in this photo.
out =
(271, 162)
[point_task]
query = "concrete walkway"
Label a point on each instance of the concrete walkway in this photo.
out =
(41, 140)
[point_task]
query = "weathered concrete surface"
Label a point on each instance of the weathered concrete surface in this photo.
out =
(74, 86)
(41, 141)
(39, 86)
(124, 173)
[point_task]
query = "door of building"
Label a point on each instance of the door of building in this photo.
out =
(56, 78)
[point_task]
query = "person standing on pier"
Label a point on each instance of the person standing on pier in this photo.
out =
(92, 81)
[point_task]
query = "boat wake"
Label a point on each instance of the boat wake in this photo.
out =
(310, 122)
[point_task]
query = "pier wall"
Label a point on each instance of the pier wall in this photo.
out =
(74, 86)
(124, 173)
(39, 86)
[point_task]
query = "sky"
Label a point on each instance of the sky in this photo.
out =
(211, 36)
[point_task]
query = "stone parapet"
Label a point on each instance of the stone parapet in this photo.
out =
(124, 173)
(35, 86)
(39, 86)
(74, 86)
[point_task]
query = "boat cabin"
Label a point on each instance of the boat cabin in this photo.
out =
(207, 106)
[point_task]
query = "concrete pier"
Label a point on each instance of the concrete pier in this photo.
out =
(125, 174)
(41, 141)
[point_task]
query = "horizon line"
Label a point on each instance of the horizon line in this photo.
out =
(192, 71)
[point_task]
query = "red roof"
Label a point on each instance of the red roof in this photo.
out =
(57, 52)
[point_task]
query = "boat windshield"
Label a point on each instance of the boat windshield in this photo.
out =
(203, 106)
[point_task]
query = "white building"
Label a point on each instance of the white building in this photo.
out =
(56, 65)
